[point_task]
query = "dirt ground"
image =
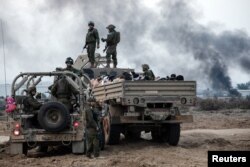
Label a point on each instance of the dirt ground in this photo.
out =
(222, 130)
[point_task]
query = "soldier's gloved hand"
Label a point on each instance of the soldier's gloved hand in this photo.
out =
(98, 46)
(103, 40)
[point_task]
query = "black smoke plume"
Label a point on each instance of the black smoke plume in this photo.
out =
(168, 38)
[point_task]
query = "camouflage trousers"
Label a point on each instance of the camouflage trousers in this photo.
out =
(91, 52)
(92, 142)
(111, 51)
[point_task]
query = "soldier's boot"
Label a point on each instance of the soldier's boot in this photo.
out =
(114, 65)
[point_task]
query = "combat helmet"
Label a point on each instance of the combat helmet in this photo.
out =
(91, 23)
(31, 89)
(69, 60)
(111, 26)
(145, 66)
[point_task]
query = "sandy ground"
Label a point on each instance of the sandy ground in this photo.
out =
(224, 130)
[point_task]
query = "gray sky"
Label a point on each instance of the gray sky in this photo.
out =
(40, 34)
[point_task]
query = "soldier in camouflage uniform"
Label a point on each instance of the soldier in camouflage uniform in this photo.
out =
(31, 106)
(69, 62)
(92, 38)
(111, 44)
(147, 73)
(30, 103)
(92, 130)
(63, 91)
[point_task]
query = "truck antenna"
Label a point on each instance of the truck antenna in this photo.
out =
(4, 60)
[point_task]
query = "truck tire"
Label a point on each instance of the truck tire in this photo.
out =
(114, 137)
(53, 117)
(173, 134)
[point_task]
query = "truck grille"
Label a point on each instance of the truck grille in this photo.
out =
(159, 105)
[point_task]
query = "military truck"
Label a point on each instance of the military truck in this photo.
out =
(56, 125)
(133, 106)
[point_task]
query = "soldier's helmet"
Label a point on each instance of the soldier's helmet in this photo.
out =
(69, 60)
(91, 23)
(31, 89)
(145, 66)
(111, 26)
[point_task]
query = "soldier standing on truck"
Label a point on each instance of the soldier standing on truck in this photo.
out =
(92, 38)
(92, 130)
(113, 38)
(147, 73)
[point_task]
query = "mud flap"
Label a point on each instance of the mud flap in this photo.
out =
(16, 148)
(79, 147)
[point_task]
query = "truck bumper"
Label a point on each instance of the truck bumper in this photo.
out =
(48, 137)
(135, 120)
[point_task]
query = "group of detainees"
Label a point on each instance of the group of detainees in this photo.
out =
(132, 76)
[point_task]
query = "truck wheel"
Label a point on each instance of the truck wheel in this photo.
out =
(53, 116)
(173, 134)
(114, 137)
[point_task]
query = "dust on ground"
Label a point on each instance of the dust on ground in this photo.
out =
(223, 130)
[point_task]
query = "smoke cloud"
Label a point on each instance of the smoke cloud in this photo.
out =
(41, 34)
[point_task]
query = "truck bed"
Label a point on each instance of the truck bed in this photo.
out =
(167, 89)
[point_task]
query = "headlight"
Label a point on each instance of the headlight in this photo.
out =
(136, 100)
(183, 100)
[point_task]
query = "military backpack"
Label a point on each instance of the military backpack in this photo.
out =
(117, 37)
